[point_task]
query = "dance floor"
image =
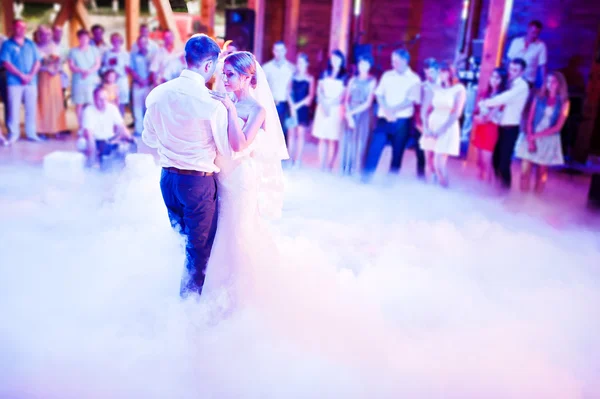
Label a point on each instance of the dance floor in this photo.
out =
(396, 289)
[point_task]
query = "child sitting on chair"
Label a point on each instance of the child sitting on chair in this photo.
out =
(109, 82)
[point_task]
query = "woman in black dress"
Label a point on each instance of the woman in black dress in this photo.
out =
(301, 94)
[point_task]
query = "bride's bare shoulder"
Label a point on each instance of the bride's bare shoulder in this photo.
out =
(258, 110)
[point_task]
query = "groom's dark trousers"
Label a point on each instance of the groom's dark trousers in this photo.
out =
(191, 200)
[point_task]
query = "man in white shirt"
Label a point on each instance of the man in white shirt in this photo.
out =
(103, 127)
(164, 56)
(188, 127)
(513, 102)
(397, 92)
(532, 50)
(141, 84)
(279, 72)
(152, 46)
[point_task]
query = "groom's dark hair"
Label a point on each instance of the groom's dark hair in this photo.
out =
(200, 48)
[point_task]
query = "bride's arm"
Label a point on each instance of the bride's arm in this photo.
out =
(240, 137)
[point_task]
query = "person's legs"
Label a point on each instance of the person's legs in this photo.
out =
(345, 157)
(525, 174)
(174, 209)
(300, 134)
(139, 108)
(282, 112)
(291, 143)
(198, 196)
(79, 113)
(104, 151)
(30, 98)
(400, 136)
(420, 157)
(509, 138)
(353, 151)
(322, 153)
(362, 140)
(332, 148)
(487, 167)
(4, 93)
(15, 98)
(430, 160)
(480, 164)
(191, 203)
(497, 151)
(378, 142)
(441, 168)
(541, 177)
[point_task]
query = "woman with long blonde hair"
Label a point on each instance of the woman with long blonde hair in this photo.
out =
(539, 145)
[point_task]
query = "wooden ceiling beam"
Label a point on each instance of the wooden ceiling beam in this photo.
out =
(132, 21)
(493, 45)
(339, 36)
(208, 9)
(74, 26)
(8, 15)
(64, 14)
(80, 12)
(290, 28)
(166, 19)
(259, 26)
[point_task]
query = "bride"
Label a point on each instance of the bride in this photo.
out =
(250, 184)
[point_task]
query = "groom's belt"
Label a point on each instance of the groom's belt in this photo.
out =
(188, 172)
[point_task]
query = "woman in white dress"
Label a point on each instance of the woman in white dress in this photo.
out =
(250, 184)
(329, 116)
(443, 105)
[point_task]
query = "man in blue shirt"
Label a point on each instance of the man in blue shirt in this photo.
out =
(140, 73)
(21, 59)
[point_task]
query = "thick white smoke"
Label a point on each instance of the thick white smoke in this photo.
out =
(405, 290)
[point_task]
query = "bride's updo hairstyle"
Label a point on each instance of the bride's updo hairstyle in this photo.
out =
(244, 63)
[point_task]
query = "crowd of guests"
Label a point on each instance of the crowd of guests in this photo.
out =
(343, 118)
(357, 115)
(98, 76)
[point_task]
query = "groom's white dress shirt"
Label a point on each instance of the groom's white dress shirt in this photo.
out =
(185, 124)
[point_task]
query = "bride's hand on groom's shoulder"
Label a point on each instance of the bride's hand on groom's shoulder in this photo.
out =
(224, 98)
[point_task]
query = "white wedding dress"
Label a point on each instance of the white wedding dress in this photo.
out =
(250, 190)
(240, 230)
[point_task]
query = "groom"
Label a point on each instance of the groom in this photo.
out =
(188, 128)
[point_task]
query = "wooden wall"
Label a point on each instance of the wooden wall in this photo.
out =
(389, 22)
(313, 32)
(570, 30)
(435, 21)
(274, 19)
